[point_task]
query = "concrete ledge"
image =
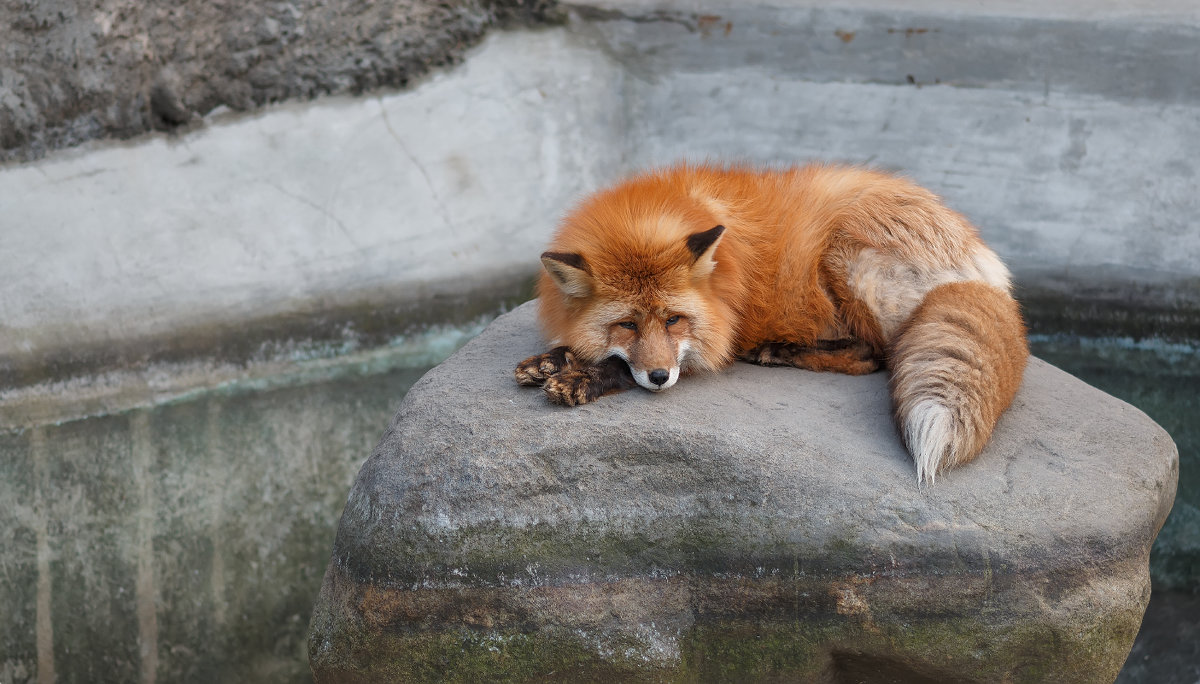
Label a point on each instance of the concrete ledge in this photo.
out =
(754, 524)
(76, 380)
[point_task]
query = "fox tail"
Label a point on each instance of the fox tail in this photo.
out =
(956, 365)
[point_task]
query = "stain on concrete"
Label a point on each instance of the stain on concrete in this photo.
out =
(218, 450)
(1180, 168)
(706, 23)
(1078, 132)
(910, 32)
(145, 585)
(45, 587)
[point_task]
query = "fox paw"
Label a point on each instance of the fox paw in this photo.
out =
(850, 356)
(569, 388)
(536, 370)
(766, 354)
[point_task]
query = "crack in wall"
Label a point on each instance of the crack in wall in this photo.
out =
(437, 200)
(324, 212)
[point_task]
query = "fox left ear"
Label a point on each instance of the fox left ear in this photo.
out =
(570, 272)
(702, 246)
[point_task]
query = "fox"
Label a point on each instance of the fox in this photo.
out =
(689, 268)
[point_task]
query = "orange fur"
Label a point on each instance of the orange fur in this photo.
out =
(806, 255)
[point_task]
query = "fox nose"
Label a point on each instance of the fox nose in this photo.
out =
(659, 376)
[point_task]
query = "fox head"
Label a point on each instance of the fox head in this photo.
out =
(648, 302)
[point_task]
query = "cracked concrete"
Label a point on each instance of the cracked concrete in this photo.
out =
(437, 200)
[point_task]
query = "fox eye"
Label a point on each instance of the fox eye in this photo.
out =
(628, 325)
(672, 320)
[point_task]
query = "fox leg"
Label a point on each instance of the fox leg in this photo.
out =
(850, 356)
(580, 384)
(535, 370)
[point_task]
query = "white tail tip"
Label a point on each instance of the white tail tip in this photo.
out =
(929, 433)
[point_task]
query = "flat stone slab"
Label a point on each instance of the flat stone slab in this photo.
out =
(755, 524)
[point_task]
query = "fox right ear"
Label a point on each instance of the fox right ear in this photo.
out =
(702, 246)
(570, 272)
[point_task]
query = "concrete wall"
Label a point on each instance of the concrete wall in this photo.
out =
(1084, 182)
(147, 282)
(324, 210)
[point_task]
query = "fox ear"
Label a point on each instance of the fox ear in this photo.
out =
(702, 246)
(570, 272)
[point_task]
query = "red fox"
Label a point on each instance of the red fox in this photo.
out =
(826, 268)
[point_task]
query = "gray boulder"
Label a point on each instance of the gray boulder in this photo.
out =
(758, 524)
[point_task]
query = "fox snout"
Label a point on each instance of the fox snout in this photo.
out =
(656, 380)
(655, 346)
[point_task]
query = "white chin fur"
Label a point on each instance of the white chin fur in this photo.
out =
(643, 379)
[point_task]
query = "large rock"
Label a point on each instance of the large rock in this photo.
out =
(761, 523)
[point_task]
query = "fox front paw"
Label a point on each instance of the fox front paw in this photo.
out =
(537, 369)
(571, 388)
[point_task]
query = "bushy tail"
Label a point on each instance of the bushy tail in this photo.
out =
(956, 364)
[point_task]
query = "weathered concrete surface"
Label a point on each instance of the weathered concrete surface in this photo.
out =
(1013, 114)
(1066, 131)
(755, 524)
(71, 70)
(309, 218)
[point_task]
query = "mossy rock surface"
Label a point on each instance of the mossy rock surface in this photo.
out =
(760, 524)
